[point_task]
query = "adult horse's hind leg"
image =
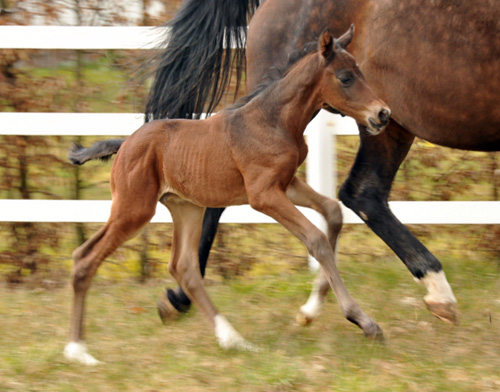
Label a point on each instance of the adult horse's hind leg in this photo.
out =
(173, 302)
(184, 267)
(274, 202)
(121, 225)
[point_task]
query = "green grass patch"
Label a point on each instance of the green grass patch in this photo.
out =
(140, 354)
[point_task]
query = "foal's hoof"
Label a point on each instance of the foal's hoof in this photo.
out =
(445, 311)
(374, 332)
(166, 310)
(77, 352)
(303, 319)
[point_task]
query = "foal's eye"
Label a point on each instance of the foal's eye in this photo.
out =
(346, 78)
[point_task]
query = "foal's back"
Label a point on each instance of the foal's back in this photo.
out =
(188, 158)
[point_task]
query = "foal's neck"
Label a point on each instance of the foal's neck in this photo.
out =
(293, 100)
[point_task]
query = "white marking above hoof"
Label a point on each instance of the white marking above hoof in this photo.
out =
(77, 352)
(228, 337)
(440, 299)
(438, 288)
(310, 310)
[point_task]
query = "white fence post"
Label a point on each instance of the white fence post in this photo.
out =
(320, 165)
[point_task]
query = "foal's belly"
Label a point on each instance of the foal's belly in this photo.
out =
(205, 174)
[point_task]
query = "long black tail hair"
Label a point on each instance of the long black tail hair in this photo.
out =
(194, 69)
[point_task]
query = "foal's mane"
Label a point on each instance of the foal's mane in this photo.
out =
(275, 73)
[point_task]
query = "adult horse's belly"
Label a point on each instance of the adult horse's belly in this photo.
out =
(435, 63)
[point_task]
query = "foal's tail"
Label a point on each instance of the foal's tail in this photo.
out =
(194, 69)
(102, 150)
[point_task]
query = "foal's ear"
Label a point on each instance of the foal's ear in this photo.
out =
(325, 44)
(346, 38)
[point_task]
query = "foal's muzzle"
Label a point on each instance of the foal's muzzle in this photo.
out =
(378, 123)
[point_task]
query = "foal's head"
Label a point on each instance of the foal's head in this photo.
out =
(343, 88)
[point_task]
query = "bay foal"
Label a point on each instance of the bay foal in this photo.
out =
(245, 154)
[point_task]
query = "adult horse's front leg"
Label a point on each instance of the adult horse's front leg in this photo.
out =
(366, 192)
(275, 203)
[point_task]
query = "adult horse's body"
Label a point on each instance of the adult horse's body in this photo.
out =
(246, 154)
(436, 64)
(439, 71)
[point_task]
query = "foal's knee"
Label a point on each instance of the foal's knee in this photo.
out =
(333, 214)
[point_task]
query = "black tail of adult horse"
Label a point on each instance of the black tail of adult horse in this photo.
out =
(193, 72)
(195, 68)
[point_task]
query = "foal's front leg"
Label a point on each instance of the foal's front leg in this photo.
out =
(184, 267)
(301, 194)
(274, 202)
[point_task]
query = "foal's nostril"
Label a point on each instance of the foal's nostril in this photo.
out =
(384, 115)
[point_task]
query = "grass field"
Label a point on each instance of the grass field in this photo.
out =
(140, 354)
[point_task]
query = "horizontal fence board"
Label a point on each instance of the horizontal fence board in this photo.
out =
(70, 124)
(409, 212)
(110, 124)
(80, 37)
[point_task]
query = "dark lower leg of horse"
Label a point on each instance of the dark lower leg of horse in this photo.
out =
(278, 206)
(423, 265)
(176, 301)
(366, 192)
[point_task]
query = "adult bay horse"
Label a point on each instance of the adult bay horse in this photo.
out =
(248, 153)
(436, 64)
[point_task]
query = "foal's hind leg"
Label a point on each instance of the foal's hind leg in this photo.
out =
(184, 267)
(121, 225)
(274, 202)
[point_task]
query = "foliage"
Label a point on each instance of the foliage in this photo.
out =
(108, 81)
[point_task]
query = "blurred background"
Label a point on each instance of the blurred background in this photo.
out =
(257, 273)
(35, 167)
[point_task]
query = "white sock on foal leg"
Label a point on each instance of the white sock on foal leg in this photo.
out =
(228, 337)
(310, 310)
(77, 352)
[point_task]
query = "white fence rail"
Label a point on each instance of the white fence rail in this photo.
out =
(79, 37)
(320, 161)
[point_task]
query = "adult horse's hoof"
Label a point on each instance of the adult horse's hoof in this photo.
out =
(166, 310)
(445, 311)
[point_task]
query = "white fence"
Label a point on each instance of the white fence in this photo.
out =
(320, 164)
